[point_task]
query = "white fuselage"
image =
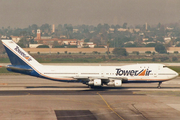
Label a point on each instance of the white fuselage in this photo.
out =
(136, 72)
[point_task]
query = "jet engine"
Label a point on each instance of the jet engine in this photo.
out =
(116, 83)
(95, 82)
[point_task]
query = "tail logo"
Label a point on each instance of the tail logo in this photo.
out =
(22, 53)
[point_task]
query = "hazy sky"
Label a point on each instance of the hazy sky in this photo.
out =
(22, 13)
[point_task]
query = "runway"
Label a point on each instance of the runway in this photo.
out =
(23, 97)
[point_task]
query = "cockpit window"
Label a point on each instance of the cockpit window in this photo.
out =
(164, 66)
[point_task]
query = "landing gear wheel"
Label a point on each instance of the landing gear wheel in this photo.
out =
(90, 86)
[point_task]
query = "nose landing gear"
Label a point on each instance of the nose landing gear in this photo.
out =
(159, 85)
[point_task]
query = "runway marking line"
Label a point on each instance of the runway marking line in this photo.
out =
(110, 106)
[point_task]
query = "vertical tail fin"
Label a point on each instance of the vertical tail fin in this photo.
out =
(17, 55)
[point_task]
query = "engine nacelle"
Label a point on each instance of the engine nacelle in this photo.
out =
(95, 82)
(116, 83)
(91, 83)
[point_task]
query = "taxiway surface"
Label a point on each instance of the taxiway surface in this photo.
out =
(29, 98)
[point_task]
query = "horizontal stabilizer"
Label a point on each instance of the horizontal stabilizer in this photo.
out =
(18, 68)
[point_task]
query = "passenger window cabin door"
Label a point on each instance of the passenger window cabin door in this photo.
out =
(102, 72)
(156, 71)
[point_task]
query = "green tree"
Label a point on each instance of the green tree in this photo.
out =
(34, 27)
(148, 52)
(160, 48)
(46, 28)
(55, 43)
(125, 25)
(69, 31)
(151, 45)
(174, 58)
(150, 39)
(86, 40)
(176, 52)
(136, 52)
(164, 58)
(23, 43)
(160, 39)
(95, 52)
(130, 45)
(159, 25)
(120, 52)
(177, 39)
(178, 45)
(153, 59)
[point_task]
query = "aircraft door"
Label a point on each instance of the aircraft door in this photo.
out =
(156, 72)
(102, 72)
(77, 72)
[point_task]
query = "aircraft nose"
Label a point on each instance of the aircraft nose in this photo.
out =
(177, 74)
(173, 73)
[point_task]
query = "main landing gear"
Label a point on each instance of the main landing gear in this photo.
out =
(159, 85)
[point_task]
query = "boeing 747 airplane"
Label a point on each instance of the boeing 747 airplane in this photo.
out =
(22, 62)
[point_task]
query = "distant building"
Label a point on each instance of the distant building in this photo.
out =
(59, 41)
(88, 44)
(146, 26)
(53, 28)
(34, 45)
(82, 44)
(122, 29)
(141, 34)
(38, 34)
(168, 28)
(136, 30)
(75, 30)
(132, 42)
(147, 42)
(63, 36)
(145, 39)
(3, 37)
(111, 30)
(68, 41)
(167, 39)
(131, 30)
(16, 39)
(48, 40)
